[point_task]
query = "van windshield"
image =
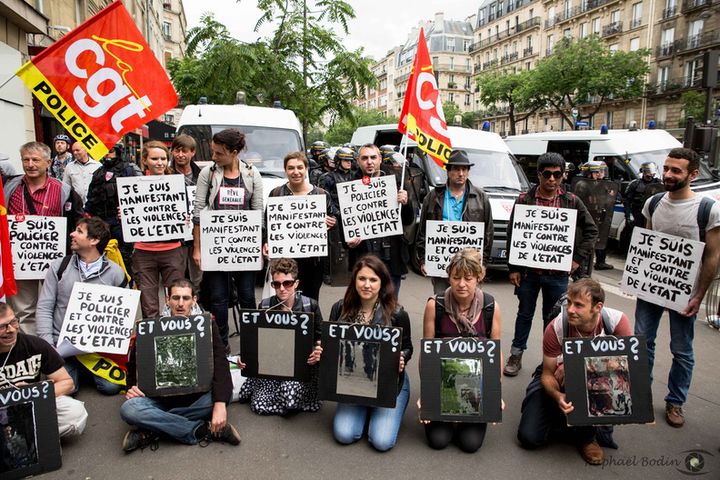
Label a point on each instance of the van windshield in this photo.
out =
(659, 156)
(494, 171)
(265, 147)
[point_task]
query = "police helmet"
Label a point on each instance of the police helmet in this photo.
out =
(649, 167)
(317, 147)
(344, 153)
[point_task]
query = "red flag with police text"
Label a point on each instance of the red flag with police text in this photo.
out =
(7, 274)
(101, 80)
(422, 118)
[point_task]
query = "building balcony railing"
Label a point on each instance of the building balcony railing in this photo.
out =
(693, 5)
(402, 78)
(527, 52)
(701, 40)
(669, 12)
(635, 22)
(447, 67)
(489, 64)
(613, 28)
(665, 50)
(510, 57)
(548, 51)
(520, 27)
(673, 85)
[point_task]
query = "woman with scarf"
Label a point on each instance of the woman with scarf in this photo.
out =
(463, 310)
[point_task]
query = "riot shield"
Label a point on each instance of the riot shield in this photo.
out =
(599, 198)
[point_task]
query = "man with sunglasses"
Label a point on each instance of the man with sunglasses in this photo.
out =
(24, 359)
(529, 282)
(181, 417)
(391, 250)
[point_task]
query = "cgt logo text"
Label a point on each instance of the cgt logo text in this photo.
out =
(689, 462)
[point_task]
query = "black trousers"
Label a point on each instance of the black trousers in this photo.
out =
(468, 436)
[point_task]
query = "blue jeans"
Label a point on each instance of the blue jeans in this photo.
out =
(179, 423)
(552, 286)
(682, 332)
(74, 368)
(349, 421)
(216, 285)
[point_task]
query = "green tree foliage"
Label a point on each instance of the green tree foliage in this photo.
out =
(693, 103)
(509, 90)
(341, 131)
(586, 73)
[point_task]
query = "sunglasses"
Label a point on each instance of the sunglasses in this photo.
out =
(284, 283)
(547, 174)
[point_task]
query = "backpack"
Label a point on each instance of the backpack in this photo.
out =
(703, 214)
(488, 311)
(66, 261)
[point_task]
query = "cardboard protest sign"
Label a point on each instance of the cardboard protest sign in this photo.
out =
(36, 241)
(174, 355)
(359, 364)
(369, 208)
(29, 439)
(543, 237)
(276, 344)
(230, 240)
(153, 208)
(443, 239)
(190, 189)
(607, 379)
(661, 268)
(99, 318)
(460, 380)
(296, 226)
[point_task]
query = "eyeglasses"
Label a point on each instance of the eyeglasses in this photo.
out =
(15, 323)
(547, 174)
(284, 283)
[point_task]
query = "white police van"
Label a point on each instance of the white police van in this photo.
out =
(622, 150)
(495, 170)
(270, 134)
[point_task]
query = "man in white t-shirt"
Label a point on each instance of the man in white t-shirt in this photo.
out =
(677, 214)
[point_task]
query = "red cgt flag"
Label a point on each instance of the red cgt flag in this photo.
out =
(101, 80)
(7, 274)
(422, 118)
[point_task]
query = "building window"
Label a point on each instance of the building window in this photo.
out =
(466, 45)
(629, 116)
(167, 30)
(167, 4)
(609, 119)
(615, 16)
(636, 15)
(567, 33)
(596, 26)
(451, 44)
(583, 30)
(451, 97)
(613, 48)
(661, 113)
(634, 44)
(467, 99)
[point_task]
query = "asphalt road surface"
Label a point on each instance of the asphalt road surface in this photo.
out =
(302, 446)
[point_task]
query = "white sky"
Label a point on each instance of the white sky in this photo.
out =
(378, 26)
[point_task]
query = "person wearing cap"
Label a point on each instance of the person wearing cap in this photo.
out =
(62, 156)
(529, 282)
(636, 194)
(459, 201)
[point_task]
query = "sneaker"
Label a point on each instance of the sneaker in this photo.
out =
(674, 415)
(228, 435)
(513, 365)
(141, 439)
(592, 453)
(603, 266)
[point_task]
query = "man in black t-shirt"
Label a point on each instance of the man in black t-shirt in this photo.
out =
(25, 358)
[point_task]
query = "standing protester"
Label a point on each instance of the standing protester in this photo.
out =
(370, 299)
(79, 172)
(638, 192)
(392, 250)
(28, 359)
(102, 198)
(35, 193)
(283, 397)
(545, 406)
(183, 150)
(219, 187)
(86, 264)
(462, 310)
(62, 156)
(459, 201)
(152, 260)
(189, 419)
(310, 269)
(553, 283)
(683, 213)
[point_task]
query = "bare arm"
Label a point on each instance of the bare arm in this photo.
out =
(64, 384)
(551, 385)
(429, 319)
(710, 259)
